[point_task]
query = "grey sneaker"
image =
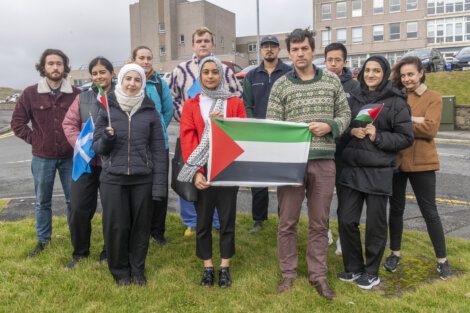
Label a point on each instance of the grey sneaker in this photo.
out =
(257, 226)
(444, 270)
(75, 261)
(367, 281)
(348, 276)
(391, 263)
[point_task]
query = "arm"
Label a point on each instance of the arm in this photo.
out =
(401, 135)
(72, 123)
(247, 96)
(233, 84)
(177, 92)
(432, 119)
(158, 152)
(103, 143)
(167, 104)
(342, 113)
(276, 104)
(188, 131)
(20, 119)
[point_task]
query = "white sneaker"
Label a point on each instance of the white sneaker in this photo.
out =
(338, 248)
(330, 237)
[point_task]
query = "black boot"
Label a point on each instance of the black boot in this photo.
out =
(207, 279)
(224, 277)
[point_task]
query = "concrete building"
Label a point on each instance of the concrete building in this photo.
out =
(247, 46)
(391, 27)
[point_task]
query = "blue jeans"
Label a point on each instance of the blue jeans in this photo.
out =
(44, 171)
(188, 215)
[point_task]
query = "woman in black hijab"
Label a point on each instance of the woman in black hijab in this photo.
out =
(380, 127)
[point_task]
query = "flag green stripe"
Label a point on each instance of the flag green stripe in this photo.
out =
(265, 132)
(364, 118)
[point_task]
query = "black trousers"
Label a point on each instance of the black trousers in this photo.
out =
(259, 203)
(225, 199)
(424, 187)
(160, 209)
(127, 212)
(83, 201)
(349, 213)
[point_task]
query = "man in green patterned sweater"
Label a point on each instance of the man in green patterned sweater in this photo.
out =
(309, 95)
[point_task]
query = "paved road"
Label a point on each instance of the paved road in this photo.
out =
(452, 192)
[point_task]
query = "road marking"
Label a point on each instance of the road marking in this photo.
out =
(453, 155)
(22, 161)
(6, 135)
(444, 201)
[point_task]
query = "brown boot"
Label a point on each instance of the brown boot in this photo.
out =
(285, 284)
(323, 289)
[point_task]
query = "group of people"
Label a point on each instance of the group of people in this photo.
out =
(368, 138)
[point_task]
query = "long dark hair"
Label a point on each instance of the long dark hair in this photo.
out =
(48, 52)
(396, 75)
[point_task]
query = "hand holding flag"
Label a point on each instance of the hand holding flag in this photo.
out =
(102, 97)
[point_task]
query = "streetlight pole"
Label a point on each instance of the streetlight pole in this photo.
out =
(257, 28)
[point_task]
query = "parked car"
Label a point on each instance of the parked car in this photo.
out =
(461, 61)
(241, 75)
(432, 59)
(319, 63)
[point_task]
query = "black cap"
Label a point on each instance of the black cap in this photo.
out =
(269, 39)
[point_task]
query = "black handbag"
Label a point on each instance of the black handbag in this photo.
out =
(185, 190)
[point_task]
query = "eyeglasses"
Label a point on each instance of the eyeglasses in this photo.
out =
(269, 46)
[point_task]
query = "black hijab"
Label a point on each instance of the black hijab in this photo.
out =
(384, 86)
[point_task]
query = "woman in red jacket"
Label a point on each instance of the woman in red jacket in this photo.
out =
(213, 102)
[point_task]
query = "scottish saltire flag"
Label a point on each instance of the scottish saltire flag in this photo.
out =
(194, 89)
(369, 112)
(83, 150)
(253, 152)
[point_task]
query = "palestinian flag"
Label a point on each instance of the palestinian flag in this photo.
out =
(102, 97)
(369, 112)
(253, 152)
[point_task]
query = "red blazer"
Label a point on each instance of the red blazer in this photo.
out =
(192, 123)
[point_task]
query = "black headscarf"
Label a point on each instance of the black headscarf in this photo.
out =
(385, 84)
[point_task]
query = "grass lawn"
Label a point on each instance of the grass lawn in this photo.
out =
(454, 83)
(43, 285)
(3, 203)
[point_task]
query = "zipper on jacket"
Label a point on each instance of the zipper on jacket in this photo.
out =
(129, 148)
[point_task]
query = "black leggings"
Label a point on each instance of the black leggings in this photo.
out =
(424, 187)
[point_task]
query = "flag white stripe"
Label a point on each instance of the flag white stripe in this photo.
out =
(276, 152)
(363, 112)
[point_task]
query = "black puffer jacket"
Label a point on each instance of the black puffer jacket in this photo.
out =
(368, 166)
(136, 151)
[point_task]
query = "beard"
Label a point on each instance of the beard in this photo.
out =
(53, 76)
(270, 58)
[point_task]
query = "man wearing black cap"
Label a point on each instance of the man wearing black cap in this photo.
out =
(256, 89)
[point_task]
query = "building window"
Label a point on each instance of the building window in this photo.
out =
(394, 57)
(378, 7)
(411, 5)
(326, 11)
(161, 27)
(252, 47)
(325, 37)
(162, 50)
(341, 10)
(356, 33)
(378, 32)
(394, 6)
(436, 6)
(394, 31)
(341, 35)
(448, 30)
(467, 5)
(357, 60)
(412, 30)
(181, 39)
(356, 8)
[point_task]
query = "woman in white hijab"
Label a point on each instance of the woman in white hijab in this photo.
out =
(130, 140)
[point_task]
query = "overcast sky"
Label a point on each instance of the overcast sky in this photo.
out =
(86, 28)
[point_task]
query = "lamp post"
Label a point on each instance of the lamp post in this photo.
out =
(257, 31)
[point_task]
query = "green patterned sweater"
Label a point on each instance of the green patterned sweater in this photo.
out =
(320, 99)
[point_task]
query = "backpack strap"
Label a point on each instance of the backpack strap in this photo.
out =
(159, 88)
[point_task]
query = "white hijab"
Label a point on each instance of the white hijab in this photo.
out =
(130, 104)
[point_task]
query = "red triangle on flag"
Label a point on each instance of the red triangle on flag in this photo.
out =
(375, 111)
(224, 150)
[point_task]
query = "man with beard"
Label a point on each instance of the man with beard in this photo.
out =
(256, 89)
(45, 105)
